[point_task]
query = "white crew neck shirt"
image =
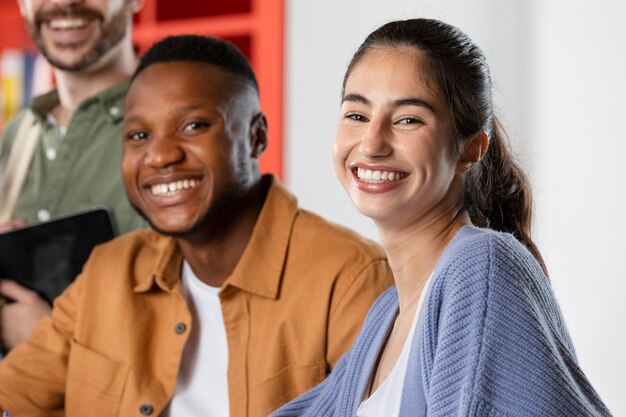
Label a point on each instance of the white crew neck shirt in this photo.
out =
(385, 401)
(202, 383)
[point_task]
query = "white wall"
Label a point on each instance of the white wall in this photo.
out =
(577, 92)
(558, 70)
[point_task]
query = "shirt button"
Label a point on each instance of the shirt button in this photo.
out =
(180, 328)
(51, 154)
(43, 215)
(115, 111)
(146, 409)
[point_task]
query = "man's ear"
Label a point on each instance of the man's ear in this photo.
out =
(136, 6)
(475, 149)
(22, 6)
(258, 135)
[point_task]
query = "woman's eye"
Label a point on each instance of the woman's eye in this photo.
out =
(409, 121)
(356, 117)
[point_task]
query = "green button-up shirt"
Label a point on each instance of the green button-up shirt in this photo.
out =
(78, 167)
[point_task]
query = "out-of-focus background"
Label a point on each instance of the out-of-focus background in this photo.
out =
(559, 84)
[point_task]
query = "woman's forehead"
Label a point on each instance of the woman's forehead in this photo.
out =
(394, 73)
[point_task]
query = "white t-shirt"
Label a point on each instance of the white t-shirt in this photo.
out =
(385, 401)
(202, 384)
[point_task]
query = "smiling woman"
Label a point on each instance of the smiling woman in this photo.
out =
(471, 327)
(402, 131)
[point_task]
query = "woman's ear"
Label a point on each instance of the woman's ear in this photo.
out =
(475, 149)
(258, 135)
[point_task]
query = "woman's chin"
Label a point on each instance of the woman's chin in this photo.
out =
(374, 212)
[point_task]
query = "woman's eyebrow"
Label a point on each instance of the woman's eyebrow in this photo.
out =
(355, 98)
(410, 101)
(414, 102)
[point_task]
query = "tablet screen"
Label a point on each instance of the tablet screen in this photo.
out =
(46, 257)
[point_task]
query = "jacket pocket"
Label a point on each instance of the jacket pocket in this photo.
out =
(285, 385)
(95, 383)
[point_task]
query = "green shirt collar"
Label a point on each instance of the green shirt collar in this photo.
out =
(112, 97)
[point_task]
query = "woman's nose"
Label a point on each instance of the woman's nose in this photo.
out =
(375, 140)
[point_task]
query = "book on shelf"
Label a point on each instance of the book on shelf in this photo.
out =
(23, 74)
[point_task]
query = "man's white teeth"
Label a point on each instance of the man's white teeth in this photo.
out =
(379, 176)
(68, 23)
(173, 187)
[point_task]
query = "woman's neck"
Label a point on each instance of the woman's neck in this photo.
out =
(413, 252)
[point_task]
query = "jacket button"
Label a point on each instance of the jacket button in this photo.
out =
(146, 409)
(180, 328)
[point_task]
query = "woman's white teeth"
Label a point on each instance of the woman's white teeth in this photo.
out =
(379, 176)
(173, 187)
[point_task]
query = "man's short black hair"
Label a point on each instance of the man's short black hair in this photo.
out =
(195, 48)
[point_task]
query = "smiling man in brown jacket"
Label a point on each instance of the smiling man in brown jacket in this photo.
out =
(235, 303)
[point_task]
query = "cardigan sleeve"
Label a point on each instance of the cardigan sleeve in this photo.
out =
(498, 344)
(319, 401)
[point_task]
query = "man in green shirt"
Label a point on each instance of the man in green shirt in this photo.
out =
(76, 161)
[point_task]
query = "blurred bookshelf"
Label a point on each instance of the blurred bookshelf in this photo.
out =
(255, 26)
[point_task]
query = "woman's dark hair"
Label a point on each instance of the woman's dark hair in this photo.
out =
(497, 193)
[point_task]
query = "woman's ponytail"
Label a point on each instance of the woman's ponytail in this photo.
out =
(498, 194)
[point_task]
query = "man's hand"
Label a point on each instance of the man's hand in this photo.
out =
(13, 224)
(18, 319)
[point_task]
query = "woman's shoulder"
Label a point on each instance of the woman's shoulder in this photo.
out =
(493, 314)
(476, 253)
(492, 275)
(492, 269)
(472, 243)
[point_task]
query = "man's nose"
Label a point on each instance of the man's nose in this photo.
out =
(163, 152)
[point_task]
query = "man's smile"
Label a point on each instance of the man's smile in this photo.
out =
(173, 187)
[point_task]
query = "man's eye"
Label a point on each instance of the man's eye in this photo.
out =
(141, 135)
(189, 127)
(356, 117)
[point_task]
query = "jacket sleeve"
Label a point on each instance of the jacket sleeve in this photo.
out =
(350, 306)
(33, 375)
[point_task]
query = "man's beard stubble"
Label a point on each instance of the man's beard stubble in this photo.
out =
(111, 34)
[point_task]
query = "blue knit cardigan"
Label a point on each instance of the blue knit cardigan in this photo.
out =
(490, 341)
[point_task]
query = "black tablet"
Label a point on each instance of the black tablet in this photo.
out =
(46, 257)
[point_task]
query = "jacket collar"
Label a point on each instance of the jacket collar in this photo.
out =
(161, 264)
(259, 271)
(260, 268)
